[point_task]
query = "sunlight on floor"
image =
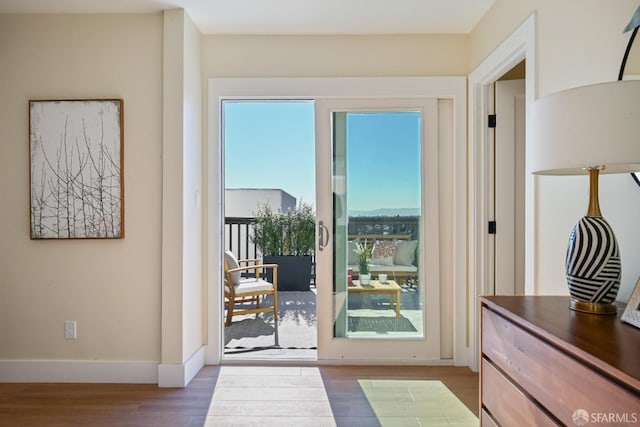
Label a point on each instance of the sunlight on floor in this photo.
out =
(429, 403)
(305, 396)
(270, 396)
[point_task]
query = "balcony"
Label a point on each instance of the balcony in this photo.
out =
(369, 314)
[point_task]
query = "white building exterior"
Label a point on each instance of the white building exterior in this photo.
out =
(243, 202)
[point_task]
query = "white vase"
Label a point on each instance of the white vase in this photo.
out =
(365, 279)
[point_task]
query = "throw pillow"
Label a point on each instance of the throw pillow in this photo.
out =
(232, 262)
(384, 252)
(406, 252)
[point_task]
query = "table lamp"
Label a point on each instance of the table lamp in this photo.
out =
(590, 130)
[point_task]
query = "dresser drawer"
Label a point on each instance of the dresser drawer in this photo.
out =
(486, 420)
(507, 404)
(560, 383)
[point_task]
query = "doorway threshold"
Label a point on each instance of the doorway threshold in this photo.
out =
(270, 354)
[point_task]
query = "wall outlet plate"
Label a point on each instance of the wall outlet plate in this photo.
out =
(70, 330)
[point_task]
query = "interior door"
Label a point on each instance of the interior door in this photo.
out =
(377, 187)
(509, 186)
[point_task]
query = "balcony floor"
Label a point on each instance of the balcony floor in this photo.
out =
(251, 337)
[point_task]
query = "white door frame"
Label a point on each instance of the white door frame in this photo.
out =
(518, 46)
(308, 88)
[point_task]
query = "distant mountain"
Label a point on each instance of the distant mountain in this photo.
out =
(387, 212)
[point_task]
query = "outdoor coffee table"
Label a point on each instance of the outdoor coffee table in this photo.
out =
(390, 287)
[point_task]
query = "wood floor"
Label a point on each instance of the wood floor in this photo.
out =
(257, 396)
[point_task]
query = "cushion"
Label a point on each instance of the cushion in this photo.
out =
(406, 252)
(232, 262)
(352, 258)
(252, 284)
(384, 251)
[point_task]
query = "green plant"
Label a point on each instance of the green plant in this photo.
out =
(285, 233)
(301, 230)
(363, 252)
(267, 231)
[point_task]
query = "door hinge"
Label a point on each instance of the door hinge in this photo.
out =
(492, 227)
(492, 120)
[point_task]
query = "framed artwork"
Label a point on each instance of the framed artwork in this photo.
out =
(631, 313)
(76, 162)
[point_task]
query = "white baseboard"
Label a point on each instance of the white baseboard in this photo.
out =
(180, 375)
(78, 371)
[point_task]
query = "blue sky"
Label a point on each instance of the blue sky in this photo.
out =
(383, 160)
(271, 145)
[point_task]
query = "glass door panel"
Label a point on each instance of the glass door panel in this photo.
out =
(380, 155)
(377, 160)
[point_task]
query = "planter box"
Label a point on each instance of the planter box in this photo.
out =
(294, 272)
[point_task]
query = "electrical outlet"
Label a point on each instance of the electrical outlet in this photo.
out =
(70, 330)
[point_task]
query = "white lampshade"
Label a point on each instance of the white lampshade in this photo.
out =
(588, 126)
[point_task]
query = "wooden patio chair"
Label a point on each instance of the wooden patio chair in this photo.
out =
(241, 291)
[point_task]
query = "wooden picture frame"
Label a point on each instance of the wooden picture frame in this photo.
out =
(76, 158)
(631, 313)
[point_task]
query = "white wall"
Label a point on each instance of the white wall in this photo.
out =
(578, 42)
(172, 188)
(111, 288)
(182, 286)
(192, 195)
(244, 202)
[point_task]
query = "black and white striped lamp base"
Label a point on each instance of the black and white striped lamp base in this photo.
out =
(593, 266)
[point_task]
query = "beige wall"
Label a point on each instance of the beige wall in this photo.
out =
(111, 288)
(578, 42)
(335, 56)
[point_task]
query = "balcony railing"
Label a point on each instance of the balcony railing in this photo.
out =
(237, 234)
(238, 231)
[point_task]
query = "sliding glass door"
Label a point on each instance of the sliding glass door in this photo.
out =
(377, 260)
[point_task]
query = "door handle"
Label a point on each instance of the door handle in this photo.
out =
(323, 236)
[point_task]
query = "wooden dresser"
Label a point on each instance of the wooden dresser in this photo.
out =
(542, 362)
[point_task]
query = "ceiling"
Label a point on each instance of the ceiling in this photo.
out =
(289, 16)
